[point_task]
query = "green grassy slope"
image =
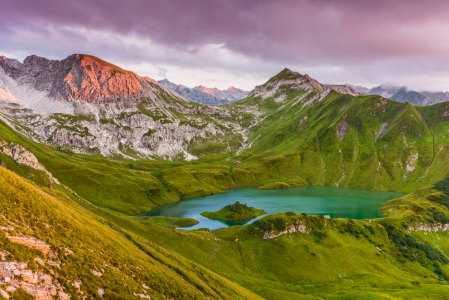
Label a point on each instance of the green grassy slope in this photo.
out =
(104, 182)
(365, 142)
(126, 260)
(331, 258)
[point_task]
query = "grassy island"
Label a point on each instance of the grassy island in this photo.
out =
(234, 212)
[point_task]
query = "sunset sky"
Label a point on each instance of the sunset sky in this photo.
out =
(219, 43)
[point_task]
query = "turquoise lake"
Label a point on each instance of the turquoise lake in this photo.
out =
(313, 200)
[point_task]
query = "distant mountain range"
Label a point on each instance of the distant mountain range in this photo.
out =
(206, 95)
(403, 94)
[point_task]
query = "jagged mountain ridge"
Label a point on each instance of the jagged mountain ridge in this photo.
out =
(79, 77)
(88, 105)
(231, 94)
(403, 94)
(206, 95)
(308, 130)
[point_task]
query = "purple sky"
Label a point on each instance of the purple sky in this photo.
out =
(241, 42)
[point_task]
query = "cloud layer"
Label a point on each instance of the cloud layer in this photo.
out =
(247, 41)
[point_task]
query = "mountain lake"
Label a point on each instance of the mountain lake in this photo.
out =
(328, 201)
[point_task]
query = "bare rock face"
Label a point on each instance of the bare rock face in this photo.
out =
(24, 157)
(78, 77)
(291, 229)
(4, 294)
(31, 242)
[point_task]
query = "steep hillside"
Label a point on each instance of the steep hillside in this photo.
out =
(311, 132)
(50, 247)
(87, 105)
(63, 245)
(69, 221)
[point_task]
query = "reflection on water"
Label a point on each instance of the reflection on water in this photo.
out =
(314, 200)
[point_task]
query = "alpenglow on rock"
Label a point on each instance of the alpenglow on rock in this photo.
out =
(206, 95)
(86, 105)
(89, 105)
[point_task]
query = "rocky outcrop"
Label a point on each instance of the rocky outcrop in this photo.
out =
(24, 157)
(39, 285)
(142, 296)
(97, 273)
(92, 106)
(78, 77)
(299, 227)
(31, 242)
(428, 227)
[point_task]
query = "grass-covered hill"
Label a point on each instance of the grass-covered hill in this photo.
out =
(366, 142)
(101, 256)
(296, 132)
(282, 256)
(233, 212)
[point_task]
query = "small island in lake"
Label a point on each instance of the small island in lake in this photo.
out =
(234, 212)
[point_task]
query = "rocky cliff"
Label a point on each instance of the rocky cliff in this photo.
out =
(87, 105)
(92, 106)
(79, 77)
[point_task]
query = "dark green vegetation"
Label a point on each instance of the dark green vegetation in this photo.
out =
(443, 186)
(233, 212)
(361, 142)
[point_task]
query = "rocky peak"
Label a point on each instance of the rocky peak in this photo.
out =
(300, 82)
(34, 61)
(12, 67)
(89, 79)
(79, 77)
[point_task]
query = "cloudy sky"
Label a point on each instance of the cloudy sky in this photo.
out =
(219, 43)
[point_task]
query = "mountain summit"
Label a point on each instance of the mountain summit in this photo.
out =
(79, 77)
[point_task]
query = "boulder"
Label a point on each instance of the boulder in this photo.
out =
(30, 242)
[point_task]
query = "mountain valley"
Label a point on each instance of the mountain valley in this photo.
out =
(87, 147)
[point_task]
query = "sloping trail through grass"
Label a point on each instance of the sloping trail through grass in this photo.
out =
(214, 253)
